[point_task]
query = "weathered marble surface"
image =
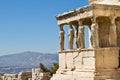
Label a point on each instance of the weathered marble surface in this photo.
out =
(89, 64)
(101, 60)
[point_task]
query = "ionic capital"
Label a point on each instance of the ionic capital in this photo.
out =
(61, 26)
(70, 25)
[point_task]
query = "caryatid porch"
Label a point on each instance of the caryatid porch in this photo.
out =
(101, 59)
(103, 25)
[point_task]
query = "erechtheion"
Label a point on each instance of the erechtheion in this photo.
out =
(101, 60)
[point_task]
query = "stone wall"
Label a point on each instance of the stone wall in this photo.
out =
(38, 75)
(10, 77)
(24, 75)
(89, 64)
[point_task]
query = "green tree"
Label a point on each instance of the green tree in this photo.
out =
(43, 68)
(54, 68)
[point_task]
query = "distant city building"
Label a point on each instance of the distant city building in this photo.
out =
(10, 77)
(36, 74)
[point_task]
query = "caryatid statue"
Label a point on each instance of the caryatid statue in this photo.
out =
(71, 37)
(61, 38)
(94, 34)
(76, 36)
(81, 36)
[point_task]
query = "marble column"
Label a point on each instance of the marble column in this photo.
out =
(113, 33)
(94, 34)
(70, 36)
(81, 43)
(61, 37)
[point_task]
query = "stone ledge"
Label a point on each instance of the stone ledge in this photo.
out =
(75, 50)
(77, 11)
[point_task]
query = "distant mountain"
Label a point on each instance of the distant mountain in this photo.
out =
(26, 61)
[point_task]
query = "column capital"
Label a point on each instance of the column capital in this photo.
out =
(80, 22)
(93, 20)
(112, 18)
(70, 24)
(61, 25)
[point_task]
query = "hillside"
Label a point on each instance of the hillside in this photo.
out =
(25, 61)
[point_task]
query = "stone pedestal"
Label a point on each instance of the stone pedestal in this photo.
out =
(89, 64)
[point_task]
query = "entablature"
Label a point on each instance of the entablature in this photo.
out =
(93, 10)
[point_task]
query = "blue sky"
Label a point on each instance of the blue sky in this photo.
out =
(30, 25)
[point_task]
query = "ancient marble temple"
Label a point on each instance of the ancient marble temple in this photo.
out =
(101, 60)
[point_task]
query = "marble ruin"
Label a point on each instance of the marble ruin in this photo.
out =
(10, 77)
(24, 75)
(38, 75)
(101, 61)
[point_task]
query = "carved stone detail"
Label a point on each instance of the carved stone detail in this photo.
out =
(70, 37)
(94, 34)
(61, 37)
(76, 36)
(81, 35)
